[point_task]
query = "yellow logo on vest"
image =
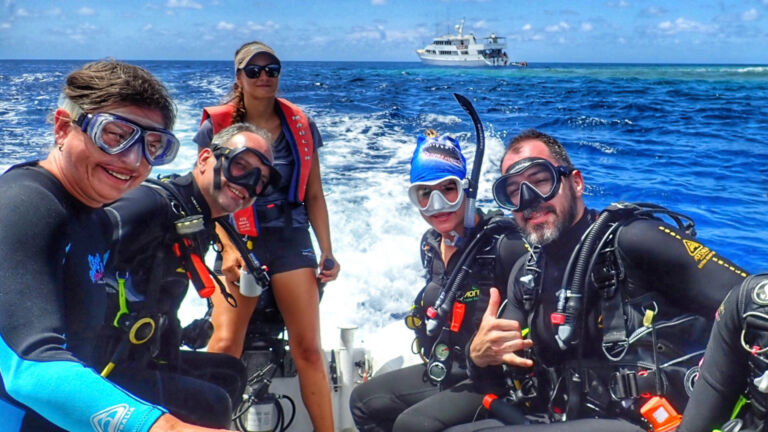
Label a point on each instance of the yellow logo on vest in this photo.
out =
(471, 295)
(698, 251)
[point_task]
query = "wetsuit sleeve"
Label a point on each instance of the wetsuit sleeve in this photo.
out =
(723, 373)
(685, 271)
(204, 135)
(37, 369)
(140, 214)
(512, 308)
(509, 249)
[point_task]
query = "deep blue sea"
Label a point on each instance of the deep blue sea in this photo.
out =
(693, 138)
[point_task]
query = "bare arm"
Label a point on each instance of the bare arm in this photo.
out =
(317, 211)
(169, 423)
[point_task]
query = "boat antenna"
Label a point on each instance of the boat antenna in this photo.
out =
(460, 29)
(474, 179)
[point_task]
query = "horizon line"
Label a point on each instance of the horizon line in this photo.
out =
(392, 61)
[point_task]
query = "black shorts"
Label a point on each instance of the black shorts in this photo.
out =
(284, 249)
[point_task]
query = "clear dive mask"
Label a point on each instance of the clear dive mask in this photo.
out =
(240, 167)
(528, 182)
(440, 196)
(114, 134)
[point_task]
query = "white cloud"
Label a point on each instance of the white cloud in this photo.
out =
(528, 26)
(86, 11)
(183, 4)
(682, 25)
(414, 35)
(82, 33)
(223, 25)
(5, 25)
(268, 26)
(656, 11)
(22, 12)
(319, 40)
(378, 2)
(621, 40)
(620, 3)
(54, 12)
(146, 28)
(561, 26)
(480, 24)
(537, 37)
(749, 15)
(587, 27)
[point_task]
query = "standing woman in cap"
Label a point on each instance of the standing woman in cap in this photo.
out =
(278, 225)
(434, 395)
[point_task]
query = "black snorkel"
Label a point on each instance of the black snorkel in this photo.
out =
(474, 178)
(444, 302)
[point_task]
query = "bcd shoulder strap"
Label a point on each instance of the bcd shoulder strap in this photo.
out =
(607, 271)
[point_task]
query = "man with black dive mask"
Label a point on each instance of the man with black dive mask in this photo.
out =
(162, 231)
(605, 319)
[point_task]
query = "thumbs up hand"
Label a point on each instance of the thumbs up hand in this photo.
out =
(497, 339)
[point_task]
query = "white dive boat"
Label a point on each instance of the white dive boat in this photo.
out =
(465, 50)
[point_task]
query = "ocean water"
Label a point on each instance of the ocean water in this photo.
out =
(693, 138)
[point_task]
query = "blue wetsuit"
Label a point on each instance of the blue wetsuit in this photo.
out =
(52, 301)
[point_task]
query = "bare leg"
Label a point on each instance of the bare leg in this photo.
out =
(230, 324)
(297, 298)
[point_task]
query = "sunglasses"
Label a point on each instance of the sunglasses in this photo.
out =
(253, 71)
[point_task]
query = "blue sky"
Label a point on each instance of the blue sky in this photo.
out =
(683, 31)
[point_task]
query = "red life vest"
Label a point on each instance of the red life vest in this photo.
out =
(296, 129)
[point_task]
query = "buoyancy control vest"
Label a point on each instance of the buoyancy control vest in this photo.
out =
(499, 245)
(753, 305)
(148, 281)
(637, 339)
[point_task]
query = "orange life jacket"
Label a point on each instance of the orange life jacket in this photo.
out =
(296, 130)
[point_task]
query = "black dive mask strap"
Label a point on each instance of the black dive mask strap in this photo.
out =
(217, 171)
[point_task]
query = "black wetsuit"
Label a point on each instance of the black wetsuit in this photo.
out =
(663, 269)
(729, 369)
(405, 399)
(52, 301)
(200, 388)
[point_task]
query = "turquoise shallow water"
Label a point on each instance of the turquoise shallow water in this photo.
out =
(690, 137)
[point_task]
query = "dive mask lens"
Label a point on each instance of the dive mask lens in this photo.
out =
(253, 71)
(114, 134)
(527, 182)
(241, 167)
(441, 196)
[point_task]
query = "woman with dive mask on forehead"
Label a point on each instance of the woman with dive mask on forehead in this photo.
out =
(278, 225)
(112, 124)
(434, 395)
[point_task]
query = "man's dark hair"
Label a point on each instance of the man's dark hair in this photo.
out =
(555, 148)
